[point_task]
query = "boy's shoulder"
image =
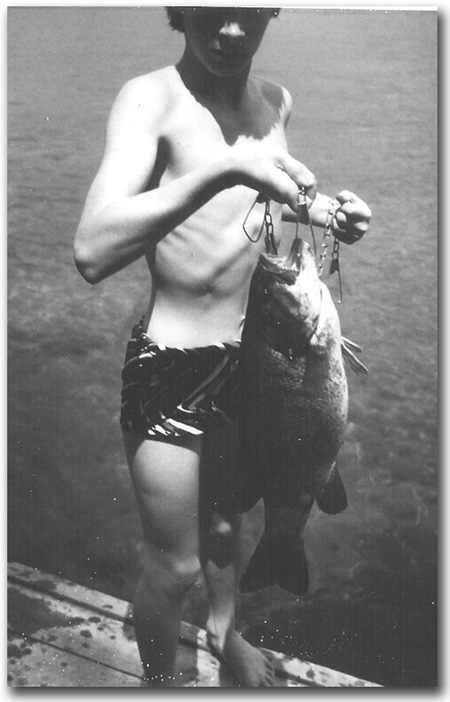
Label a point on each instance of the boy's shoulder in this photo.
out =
(158, 84)
(277, 96)
(146, 99)
(150, 98)
(165, 82)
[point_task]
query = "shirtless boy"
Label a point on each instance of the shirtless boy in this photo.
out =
(189, 148)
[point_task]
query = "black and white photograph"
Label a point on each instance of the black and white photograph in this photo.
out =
(222, 346)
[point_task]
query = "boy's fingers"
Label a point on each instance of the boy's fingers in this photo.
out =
(301, 175)
(283, 183)
(351, 220)
(352, 205)
(346, 196)
(347, 237)
(357, 211)
(347, 231)
(340, 219)
(285, 190)
(347, 215)
(311, 193)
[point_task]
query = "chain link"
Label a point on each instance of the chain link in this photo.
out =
(332, 207)
(271, 247)
(334, 265)
(305, 218)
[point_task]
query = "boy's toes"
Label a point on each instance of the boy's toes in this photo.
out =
(251, 667)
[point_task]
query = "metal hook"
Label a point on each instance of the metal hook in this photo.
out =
(304, 216)
(335, 267)
(258, 236)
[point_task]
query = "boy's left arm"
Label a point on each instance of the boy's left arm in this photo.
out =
(350, 220)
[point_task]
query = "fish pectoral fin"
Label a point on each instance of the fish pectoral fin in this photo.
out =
(333, 498)
(277, 560)
(351, 344)
(348, 347)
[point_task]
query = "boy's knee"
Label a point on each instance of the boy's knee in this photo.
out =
(184, 573)
(170, 575)
(220, 539)
(222, 528)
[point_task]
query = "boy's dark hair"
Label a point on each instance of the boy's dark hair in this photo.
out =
(175, 15)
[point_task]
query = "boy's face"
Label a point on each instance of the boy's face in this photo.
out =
(225, 39)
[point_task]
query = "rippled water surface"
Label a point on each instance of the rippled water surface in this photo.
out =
(364, 89)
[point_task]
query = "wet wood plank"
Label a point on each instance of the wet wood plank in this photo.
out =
(33, 664)
(70, 591)
(61, 634)
(72, 628)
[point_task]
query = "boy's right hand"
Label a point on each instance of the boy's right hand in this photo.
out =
(275, 174)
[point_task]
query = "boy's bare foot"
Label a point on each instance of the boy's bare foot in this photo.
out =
(249, 665)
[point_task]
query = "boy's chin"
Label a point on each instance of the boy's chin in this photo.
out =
(228, 70)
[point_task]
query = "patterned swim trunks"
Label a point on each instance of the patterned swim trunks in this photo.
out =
(174, 392)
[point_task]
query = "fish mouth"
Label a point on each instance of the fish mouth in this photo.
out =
(286, 269)
(299, 250)
(277, 269)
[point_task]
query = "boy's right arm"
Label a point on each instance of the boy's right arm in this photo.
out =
(121, 218)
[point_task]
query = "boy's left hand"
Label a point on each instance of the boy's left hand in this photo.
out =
(351, 219)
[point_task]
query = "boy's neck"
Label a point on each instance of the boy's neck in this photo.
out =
(228, 91)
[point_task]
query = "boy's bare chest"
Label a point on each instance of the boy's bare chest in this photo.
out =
(198, 135)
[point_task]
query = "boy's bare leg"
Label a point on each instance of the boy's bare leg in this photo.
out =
(222, 562)
(249, 665)
(165, 479)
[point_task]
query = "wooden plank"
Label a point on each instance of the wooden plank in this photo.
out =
(312, 675)
(50, 618)
(44, 628)
(70, 591)
(194, 638)
(33, 664)
(72, 628)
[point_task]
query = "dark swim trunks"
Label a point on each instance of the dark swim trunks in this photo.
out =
(175, 392)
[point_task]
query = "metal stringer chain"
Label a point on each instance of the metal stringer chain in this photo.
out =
(302, 217)
(267, 224)
(328, 230)
(271, 246)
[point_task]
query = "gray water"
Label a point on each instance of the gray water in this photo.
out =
(364, 118)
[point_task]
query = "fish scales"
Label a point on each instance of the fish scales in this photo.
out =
(293, 411)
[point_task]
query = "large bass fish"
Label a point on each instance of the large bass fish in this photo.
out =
(293, 411)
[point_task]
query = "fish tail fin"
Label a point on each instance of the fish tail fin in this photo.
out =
(348, 348)
(293, 573)
(333, 498)
(276, 561)
(262, 569)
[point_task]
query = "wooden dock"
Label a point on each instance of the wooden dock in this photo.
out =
(63, 635)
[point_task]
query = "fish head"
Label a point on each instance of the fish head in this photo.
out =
(300, 261)
(290, 297)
